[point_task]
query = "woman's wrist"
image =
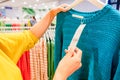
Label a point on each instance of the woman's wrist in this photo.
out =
(53, 12)
(59, 76)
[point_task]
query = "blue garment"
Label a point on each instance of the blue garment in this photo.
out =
(100, 43)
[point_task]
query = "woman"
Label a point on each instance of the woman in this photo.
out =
(12, 46)
(33, 20)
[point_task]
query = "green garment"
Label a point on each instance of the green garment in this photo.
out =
(50, 52)
(48, 57)
(52, 59)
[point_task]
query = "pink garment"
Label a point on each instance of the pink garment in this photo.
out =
(38, 61)
(45, 60)
(35, 63)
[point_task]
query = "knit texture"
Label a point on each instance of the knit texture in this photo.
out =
(100, 43)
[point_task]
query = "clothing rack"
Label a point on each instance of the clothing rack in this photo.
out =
(17, 29)
(13, 29)
(115, 2)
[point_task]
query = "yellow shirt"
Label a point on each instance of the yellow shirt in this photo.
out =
(12, 45)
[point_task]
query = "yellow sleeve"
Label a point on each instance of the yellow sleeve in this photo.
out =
(14, 44)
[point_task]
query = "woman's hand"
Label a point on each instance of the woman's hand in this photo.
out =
(61, 8)
(69, 64)
(40, 27)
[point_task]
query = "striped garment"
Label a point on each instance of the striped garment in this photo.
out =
(38, 61)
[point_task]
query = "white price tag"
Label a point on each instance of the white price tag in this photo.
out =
(77, 35)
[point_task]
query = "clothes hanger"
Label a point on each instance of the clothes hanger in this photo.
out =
(97, 3)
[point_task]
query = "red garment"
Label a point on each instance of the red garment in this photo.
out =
(24, 65)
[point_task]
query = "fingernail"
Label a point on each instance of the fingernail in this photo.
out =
(65, 50)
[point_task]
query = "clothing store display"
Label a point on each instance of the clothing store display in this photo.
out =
(13, 45)
(41, 60)
(11, 49)
(24, 65)
(99, 42)
(33, 63)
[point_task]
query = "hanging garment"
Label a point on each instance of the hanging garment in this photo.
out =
(50, 47)
(51, 59)
(35, 66)
(48, 58)
(38, 61)
(41, 60)
(45, 60)
(99, 42)
(116, 66)
(24, 65)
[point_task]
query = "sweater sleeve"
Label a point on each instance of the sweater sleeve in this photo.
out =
(58, 40)
(116, 75)
(117, 72)
(14, 44)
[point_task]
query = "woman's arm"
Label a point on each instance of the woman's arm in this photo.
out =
(14, 44)
(73, 56)
(69, 64)
(39, 28)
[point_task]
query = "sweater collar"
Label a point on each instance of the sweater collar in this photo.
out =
(91, 16)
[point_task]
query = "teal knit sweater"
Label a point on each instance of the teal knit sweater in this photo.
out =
(100, 43)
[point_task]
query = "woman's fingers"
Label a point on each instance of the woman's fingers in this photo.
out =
(70, 51)
(64, 8)
(66, 51)
(78, 52)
